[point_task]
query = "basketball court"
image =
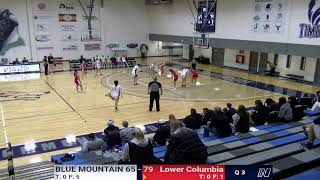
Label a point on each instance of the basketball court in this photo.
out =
(232, 62)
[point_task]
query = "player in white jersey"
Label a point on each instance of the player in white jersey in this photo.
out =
(185, 72)
(124, 61)
(97, 63)
(115, 94)
(135, 73)
(103, 62)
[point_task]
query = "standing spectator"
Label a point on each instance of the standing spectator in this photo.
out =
(112, 134)
(126, 132)
(50, 61)
(194, 64)
(231, 111)
(285, 114)
(155, 90)
(93, 143)
(241, 120)
(219, 125)
(260, 113)
(46, 65)
(163, 133)
(139, 150)
(194, 120)
(185, 147)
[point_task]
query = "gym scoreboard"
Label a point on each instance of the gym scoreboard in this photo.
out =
(162, 172)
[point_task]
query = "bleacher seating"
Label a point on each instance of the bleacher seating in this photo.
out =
(312, 113)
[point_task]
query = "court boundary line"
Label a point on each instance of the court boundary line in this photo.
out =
(65, 101)
(5, 134)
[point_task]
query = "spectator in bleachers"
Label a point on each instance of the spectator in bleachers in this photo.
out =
(24, 60)
(285, 113)
(260, 113)
(219, 125)
(93, 143)
(297, 109)
(185, 147)
(163, 133)
(316, 106)
(231, 111)
(112, 134)
(305, 100)
(16, 61)
(126, 132)
(312, 133)
(241, 120)
(194, 120)
(207, 116)
(315, 99)
(226, 115)
(139, 150)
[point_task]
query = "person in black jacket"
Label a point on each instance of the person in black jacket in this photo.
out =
(260, 113)
(46, 65)
(112, 134)
(138, 151)
(305, 101)
(219, 125)
(185, 147)
(297, 109)
(231, 111)
(194, 120)
(208, 115)
(163, 133)
(241, 120)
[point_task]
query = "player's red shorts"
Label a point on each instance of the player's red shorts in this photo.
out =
(175, 77)
(194, 74)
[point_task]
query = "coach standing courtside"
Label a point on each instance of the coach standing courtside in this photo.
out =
(153, 89)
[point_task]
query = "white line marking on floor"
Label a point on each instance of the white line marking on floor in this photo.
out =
(4, 126)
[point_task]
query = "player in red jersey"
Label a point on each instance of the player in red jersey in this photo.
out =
(161, 67)
(174, 78)
(77, 80)
(194, 76)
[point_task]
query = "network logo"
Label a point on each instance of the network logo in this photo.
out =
(264, 172)
(311, 30)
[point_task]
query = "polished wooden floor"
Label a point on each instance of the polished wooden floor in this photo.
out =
(50, 107)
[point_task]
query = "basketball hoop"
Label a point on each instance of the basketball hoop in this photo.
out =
(200, 40)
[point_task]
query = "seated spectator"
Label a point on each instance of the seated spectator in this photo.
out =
(316, 106)
(297, 109)
(207, 116)
(219, 125)
(241, 120)
(260, 113)
(194, 120)
(305, 100)
(16, 61)
(226, 115)
(316, 98)
(112, 134)
(273, 110)
(138, 151)
(163, 133)
(270, 104)
(126, 132)
(185, 147)
(231, 112)
(24, 60)
(93, 144)
(285, 112)
(312, 133)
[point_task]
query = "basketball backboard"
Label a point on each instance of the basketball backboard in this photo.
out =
(201, 40)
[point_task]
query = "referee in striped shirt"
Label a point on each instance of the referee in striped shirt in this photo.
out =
(154, 89)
